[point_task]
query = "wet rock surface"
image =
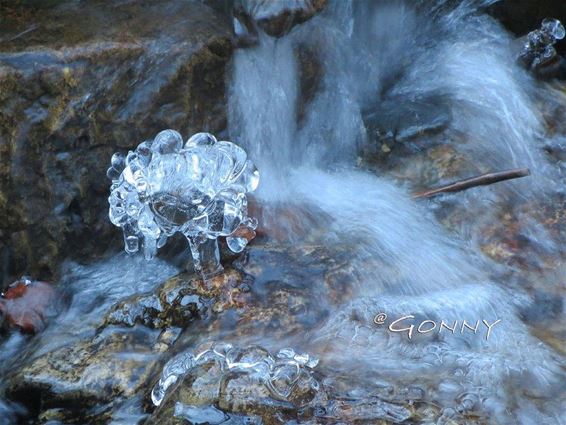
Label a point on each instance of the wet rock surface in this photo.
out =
(77, 82)
(181, 300)
(270, 295)
(396, 122)
(277, 18)
(88, 380)
(114, 364)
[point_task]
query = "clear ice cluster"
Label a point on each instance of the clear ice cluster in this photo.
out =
(539, 45)
(279, 373)
(197, 188)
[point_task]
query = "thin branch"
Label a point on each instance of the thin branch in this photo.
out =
(482, 180)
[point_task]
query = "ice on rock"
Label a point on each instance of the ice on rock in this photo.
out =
(198, 189)
(554, 28)
(538, 49)
(280, 374)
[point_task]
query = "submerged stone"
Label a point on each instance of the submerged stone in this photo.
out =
(403, 120)
(180, 300)
(97, 371)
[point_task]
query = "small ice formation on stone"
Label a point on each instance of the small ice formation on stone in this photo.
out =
(538, 49)
(197, 188)
(280, 374)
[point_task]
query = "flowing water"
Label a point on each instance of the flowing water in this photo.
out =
(406, 264)
(403, 261)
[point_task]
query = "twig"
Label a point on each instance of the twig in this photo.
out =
(482, 180)
(30, 29)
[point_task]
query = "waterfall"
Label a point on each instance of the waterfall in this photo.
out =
(406, 263)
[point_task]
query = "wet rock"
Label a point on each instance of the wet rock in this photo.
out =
(79, 81)
(180, 300)
(277, 18)
(113, 365)
(310, 77)
(245, 30)
(27, 305)
(286, 287)
(402, 120)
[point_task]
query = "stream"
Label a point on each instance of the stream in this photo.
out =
(414, 314)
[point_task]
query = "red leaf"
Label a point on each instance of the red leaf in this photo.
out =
(25, 304)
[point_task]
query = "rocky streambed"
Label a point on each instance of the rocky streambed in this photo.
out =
(288, 333)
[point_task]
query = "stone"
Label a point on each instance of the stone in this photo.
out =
(114, 364)
(278, 18)
(404, 120)
(180, 300)
(77, 83)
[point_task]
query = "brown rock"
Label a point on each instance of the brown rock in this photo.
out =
(91, 372)
(78, 82)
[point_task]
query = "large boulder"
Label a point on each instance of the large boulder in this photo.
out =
(78, 81)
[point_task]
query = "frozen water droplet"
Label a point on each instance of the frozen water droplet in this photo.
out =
(201, 139)
(149, 248)
(251, 222)
(132, 244)
(236, 244)
(144, 152)
(554, 28)
(167, 141)
(117, 161)
(112, 173)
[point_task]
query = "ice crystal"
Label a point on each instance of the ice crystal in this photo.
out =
(280, 373)
(197, 188)
(539, 44)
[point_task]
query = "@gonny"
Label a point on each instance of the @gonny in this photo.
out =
(406, 324)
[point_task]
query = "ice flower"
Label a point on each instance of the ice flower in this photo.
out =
(198, 188)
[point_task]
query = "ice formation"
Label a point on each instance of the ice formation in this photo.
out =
(539, 45)
(197, 188)
(279, 373)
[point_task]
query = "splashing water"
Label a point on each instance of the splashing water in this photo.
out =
(198, 189)
(405, 264)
